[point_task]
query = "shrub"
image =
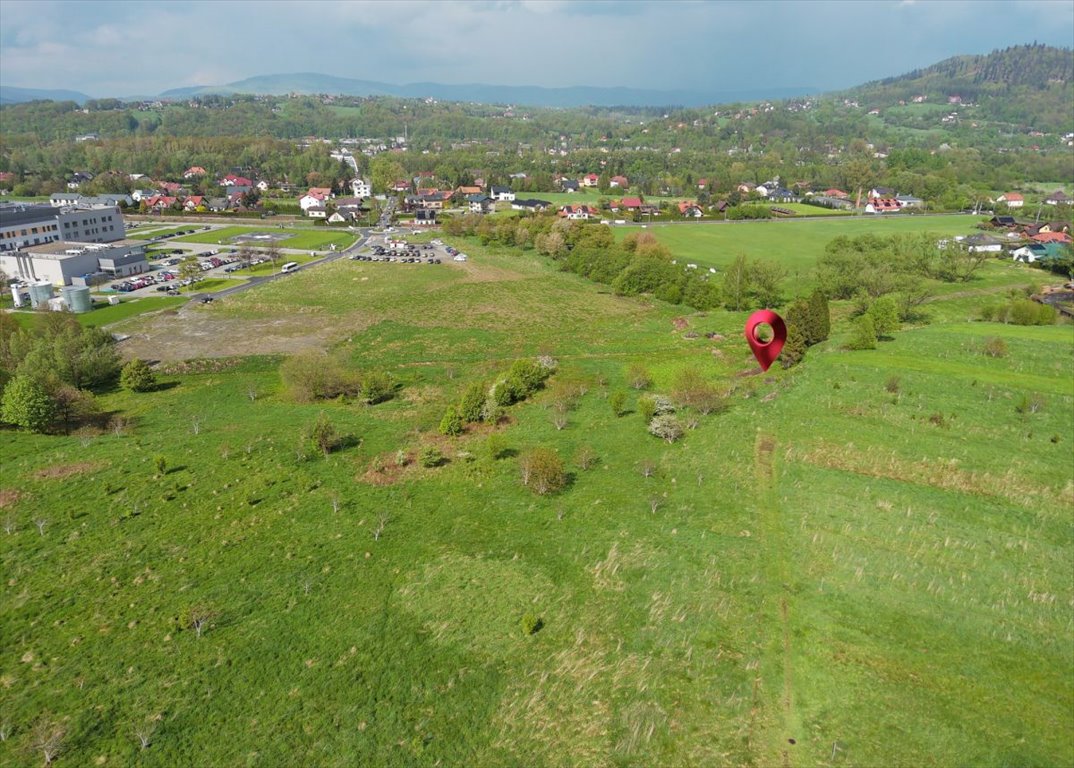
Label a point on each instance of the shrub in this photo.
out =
(161, 464)
(472, 405)
(987, 312)
(638, 377)
(452, 423)
(892, 384)
(617, 401)
(137, 376)
(647, 408)
(542, 471)
(938, 419)
(1026, 312)
(1030, 403)
(430, 457)
(864, 334)
(496, 447)
(531, 624)
(312, 376)
(994, 347)
(666, 426)
(376, 387)
(692, 391)
(885, 314)
(321, 436)
(586, 457)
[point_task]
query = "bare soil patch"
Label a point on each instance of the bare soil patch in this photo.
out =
(9, 497)
(60, 471)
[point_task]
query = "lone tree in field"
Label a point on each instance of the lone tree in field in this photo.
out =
(542, 471)
(137, 376)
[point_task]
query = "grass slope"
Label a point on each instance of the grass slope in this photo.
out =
(826, 562)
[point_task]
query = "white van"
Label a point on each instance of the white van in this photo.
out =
(290, 266)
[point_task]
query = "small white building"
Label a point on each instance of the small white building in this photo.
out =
(361, 188)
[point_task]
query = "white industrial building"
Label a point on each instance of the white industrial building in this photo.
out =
(23, 226)
(75, 263)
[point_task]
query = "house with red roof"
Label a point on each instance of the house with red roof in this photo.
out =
(882, 205)
(838, 193)
(400, 185)
(589, 180)
(619, 181)
(1012, 199)
(193, 172)
(1051, 237)
(702, 185)
(627, 204)
(192, 202)
(316, 196)
(690, 210)
(231, 180)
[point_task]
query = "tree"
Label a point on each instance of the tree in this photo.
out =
(736, 284)
(73, 405)
(384, 171)
(137, 376)
(273, 253)
(766, 283)
(190, 268)
(27, 404)
(376, 387)
(322, 435)
(794, 349)
(820, 319)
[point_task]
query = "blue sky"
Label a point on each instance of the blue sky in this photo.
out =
(142, 48)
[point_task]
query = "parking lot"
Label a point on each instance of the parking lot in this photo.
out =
(394, 248)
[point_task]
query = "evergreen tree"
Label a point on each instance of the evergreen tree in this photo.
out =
(820, 318)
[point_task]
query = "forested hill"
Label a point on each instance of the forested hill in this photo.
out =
(1024, 83)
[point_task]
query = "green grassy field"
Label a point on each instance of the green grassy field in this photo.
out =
(865, 561)
(106, 314)
(795, 244)
(305, 239)
(149, 234)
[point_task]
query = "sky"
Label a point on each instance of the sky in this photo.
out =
(129, 48)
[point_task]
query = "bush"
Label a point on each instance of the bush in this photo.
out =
(885, 314)
(617, 401)
(892, 384)
(666, 426)
(137, 376)
(994, 347)
(638, 377)
(1026, 312)
(496, 447)
(586, 457)
(312, 376)
(376, 387)
(321, 436)
(430, 457)
(864, 334)
(531, 624)
(647, 408)
(472, 405)
(1030, 403)
(542, 471)
(452, 423)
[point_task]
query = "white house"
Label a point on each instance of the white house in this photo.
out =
(310, 200)
(316, 212)
(361, 188)
(263, 185)
(502, 193)
(1012, 199)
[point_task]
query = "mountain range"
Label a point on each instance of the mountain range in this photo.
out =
(530, 95)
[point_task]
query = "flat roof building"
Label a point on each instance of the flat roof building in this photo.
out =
(62, 263)
(24, 226)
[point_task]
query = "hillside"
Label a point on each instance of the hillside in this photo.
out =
(1026, 84)
(9, 94)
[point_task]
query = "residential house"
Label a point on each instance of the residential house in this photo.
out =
(425, 218)
(590, 180)
(59, 199)
(262, 186)
(231, 180)
(982, 243)
(194, 172)
(578, 212)
(193, 202)
(627, 204)
(1012, 199)
(78, 178)
(720, 206)
(312, 199)
(1037, 252)
(479, 203)
(1059, 197)
(435, 200)
(140, 194)
(702, 185)
(171, 188)
(1051, 237)
(464, 192)
(909, 201)
(568, 185)
(882, 205)
(882, 192)
(1004, 222)
(532, 205)
(690, 210)
(216, 204)
(502, 193)
(781, 195)
(361, 188)
(400, 185)
(836, 193)
(620, 182)
(744, 188)
(317, 212)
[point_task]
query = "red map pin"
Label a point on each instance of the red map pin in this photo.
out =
(766, 352)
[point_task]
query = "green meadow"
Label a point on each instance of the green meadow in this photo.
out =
(305, 239)
(863, 561)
